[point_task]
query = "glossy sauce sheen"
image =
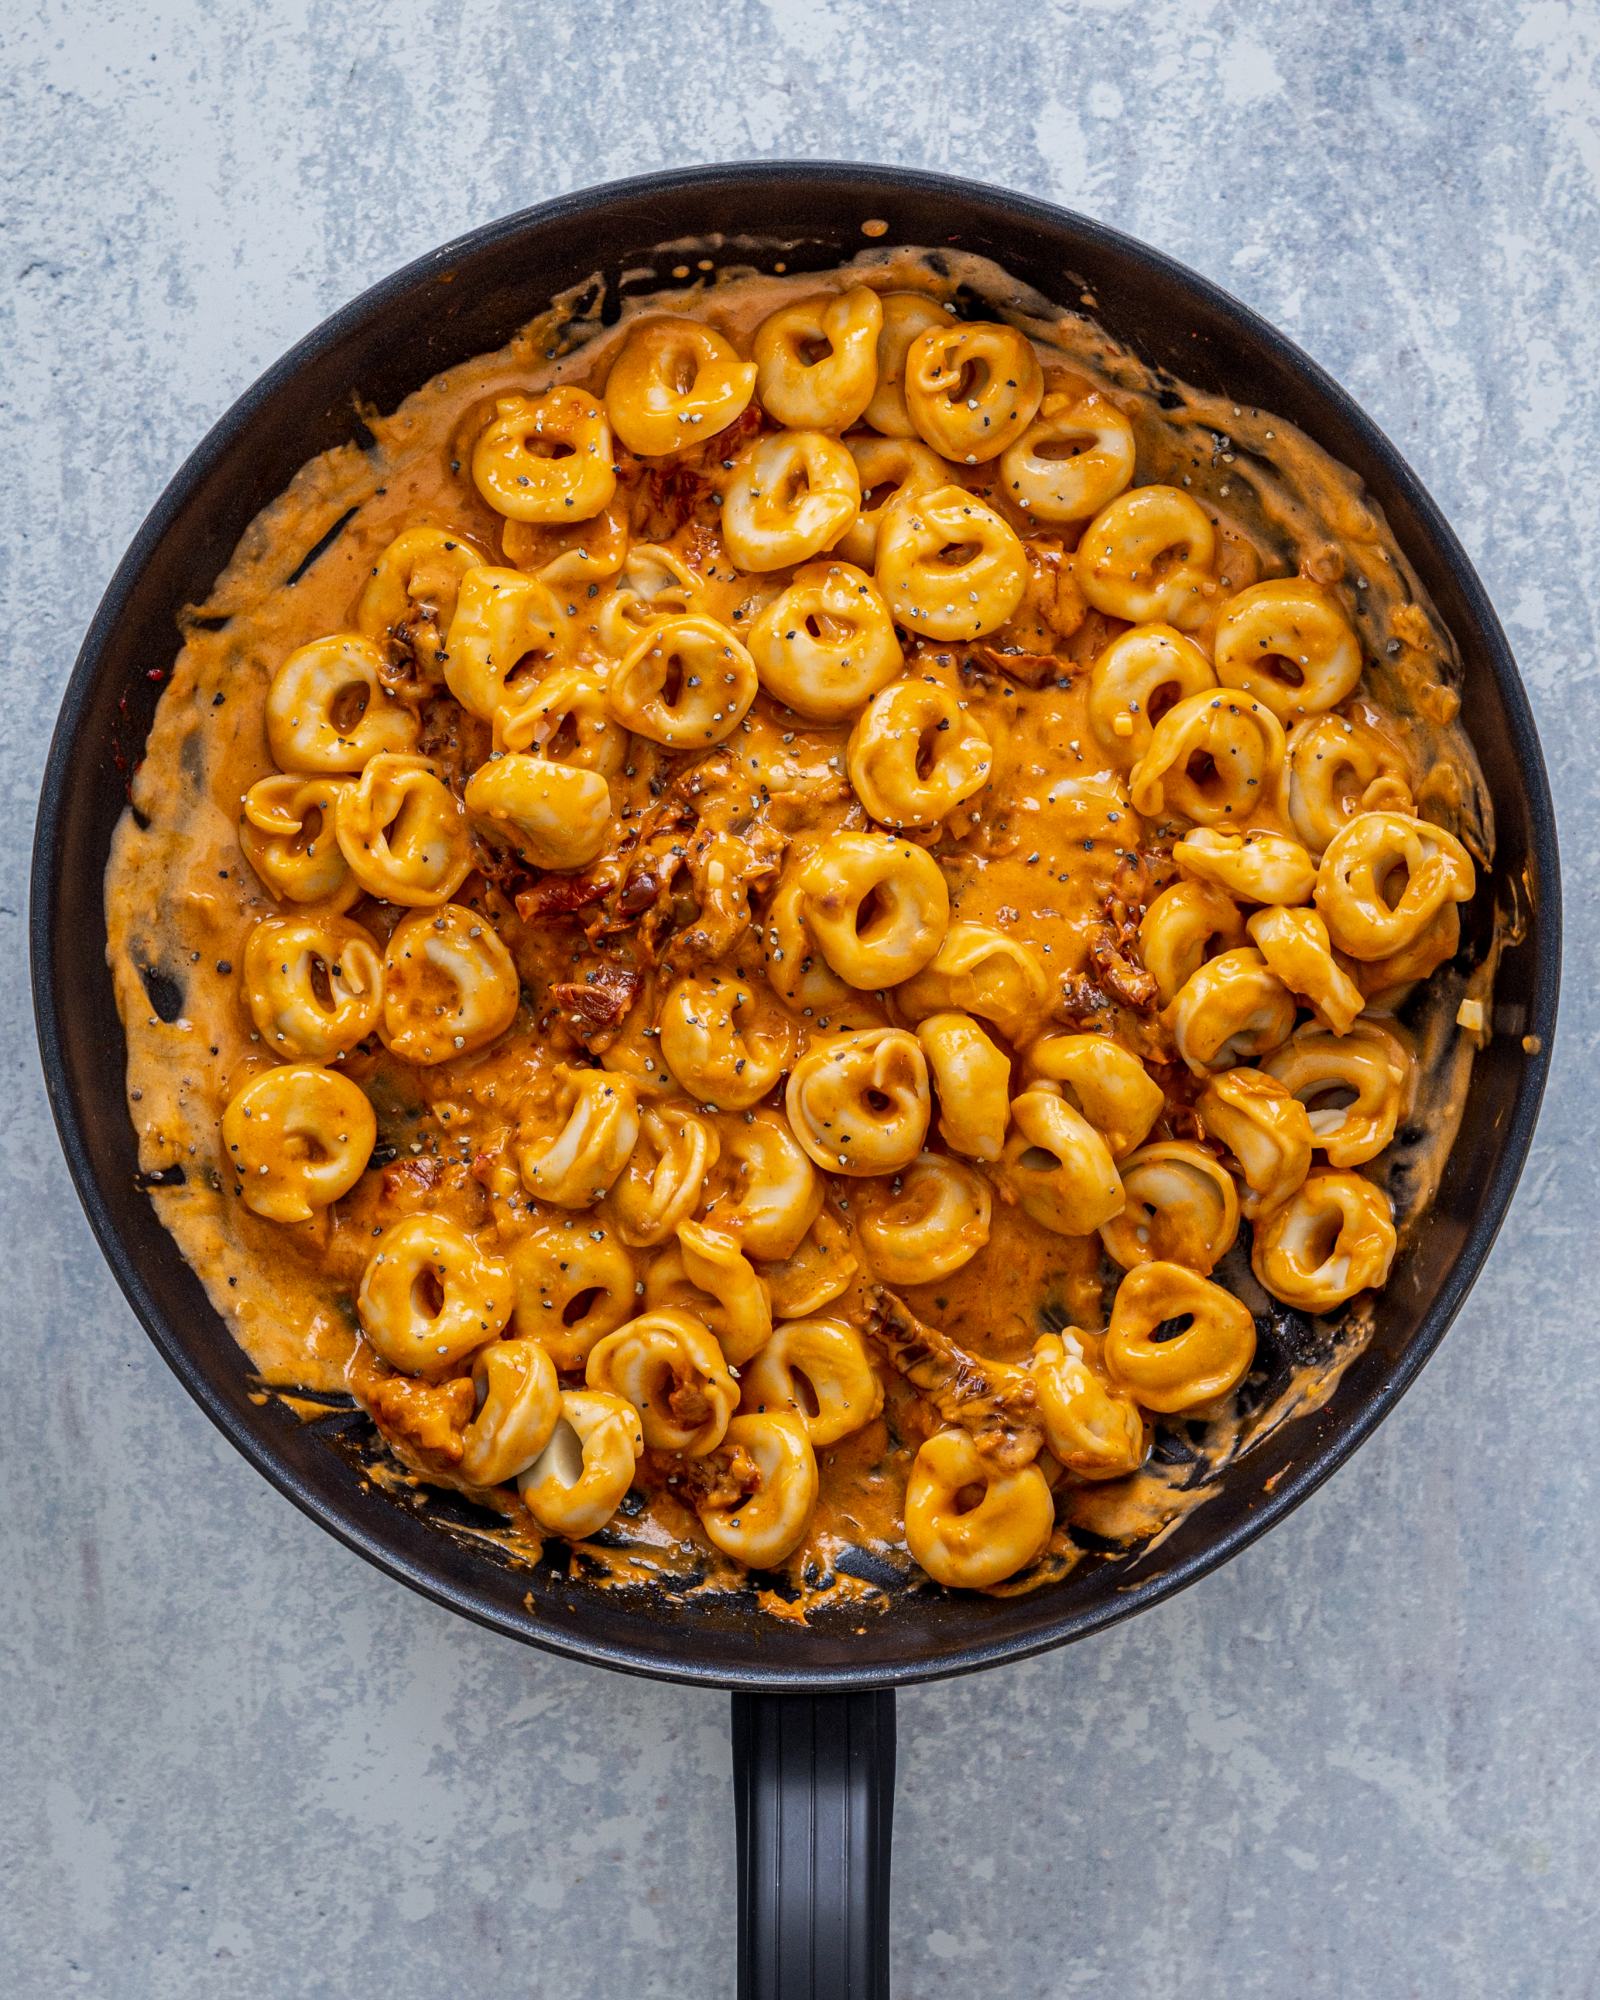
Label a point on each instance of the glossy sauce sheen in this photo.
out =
(1041, 853)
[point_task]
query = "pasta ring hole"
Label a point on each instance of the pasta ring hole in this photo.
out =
(427, 1293)
(564, 743)
(1037, 1160)
(1071, 445)
(305, 1147)
(970, 384)
(969, 1498)
(806, 1397)
(348, 706)
(956, 555)
(530, 666)
(320, 979)
(1286, 671)
(812, 348)
(1392, 882)
(928, 748)
(1159, 700)
(1201, 771)
(879, 496)
(581, 1304)
(537, 445)
(1171, 1329)
(878, 1102)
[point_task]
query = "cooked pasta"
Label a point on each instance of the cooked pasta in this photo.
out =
(804, 902)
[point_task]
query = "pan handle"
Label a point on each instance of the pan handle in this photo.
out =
(813, 1787)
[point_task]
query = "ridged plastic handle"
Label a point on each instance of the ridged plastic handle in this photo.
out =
(813, 1779)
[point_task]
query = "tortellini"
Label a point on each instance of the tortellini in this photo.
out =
(685, 682)
(1265, 1127)
(971, 388)
(767, 1194)
(668, 1365)
(948, 565)
(982, 972)
(1093, 1430)
(287, 832)
(580, 1478)
(546, 457)
(826, 643)
(1180, 1207)
(761, 1516)
(827, 390)
(971, 1081)
(328, 710)
(1183, 1370)
(297, 1138)
(430, 1296)
(1287, 643)
(1105, 1082)
(1354, 1087)
(449, 985)
(905, 315)
(508, 631)
(1252, 867)
(574, 1145)
(1385, 877)
(817, 1371)
(916, 754)
(877, 907)
(924, 1222)
(1058, 1166)
(1339, 767)
(707, 1274)
(1184, 926)
(664, 1180)
(1232, 1010)
(519, 1401)
(403, 832)
(970, 1547)
(410, 597)
(1333, 1238)
(675, 382)
(554, 815)
(889, 468)
(790, 498)
(1141, 674)
(1073, 459)
(313, 984)
(859, 1103)
(572, 1285)
(716, 1044)
(1296, 946)
(1148, 556)
(1214, 758)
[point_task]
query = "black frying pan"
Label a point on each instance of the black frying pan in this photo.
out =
(813, 1705)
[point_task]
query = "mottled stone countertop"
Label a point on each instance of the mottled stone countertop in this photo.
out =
(1357, 1761)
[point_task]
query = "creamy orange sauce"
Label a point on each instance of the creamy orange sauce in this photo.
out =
(1049, 852)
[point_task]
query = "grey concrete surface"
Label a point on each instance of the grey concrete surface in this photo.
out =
(1361, 1760)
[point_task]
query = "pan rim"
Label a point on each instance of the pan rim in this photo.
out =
(1322, 1459)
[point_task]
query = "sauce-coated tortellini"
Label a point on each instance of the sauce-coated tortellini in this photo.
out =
(708, 1275)
(916, 754)
(519, 1400)
(1385, 877)
(287, 832)
(797, 971)
(570, 555)
(449, 985)
(1265, 1127)
(1183, 927)
(430, 1296)
(328, 710)
(1058, 1166)
(579, 1479)
(1232, 1010)
(1094, 1430)
(685, 682)
(662, 1184)
(410, 597)
(760, 1510)
(789, 498)
(575, 1142)
(313, 984)
(1073, 459)
(982, 972)
(817, 359)
(507, 632)
(654, 582)
(565, 718)
(668, 1365)
(297, 1138)
(573, 1285)
(971, 388)
(859, 1103)
(1296, 945)
(971, 1546)
(819, 1270)
(1354, 1087)
(818, 1371)
(971, 1082)
(1135, 680)
(827, 643)
(877, 907)
(1331, 1239)
(554, 815)
(1253, 867)
(1287, 643)
(404, 832)
(905, 315)
(925, 1221)
(675, 382)
(1215, 758)
(1103, 1080)
(1339, 767)
(1171, 1371)
(717, 1045)
(546, 457)
(766, 1192)
(1180, 1207)
(1149, 556)
(889, 468)
(948, 565)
